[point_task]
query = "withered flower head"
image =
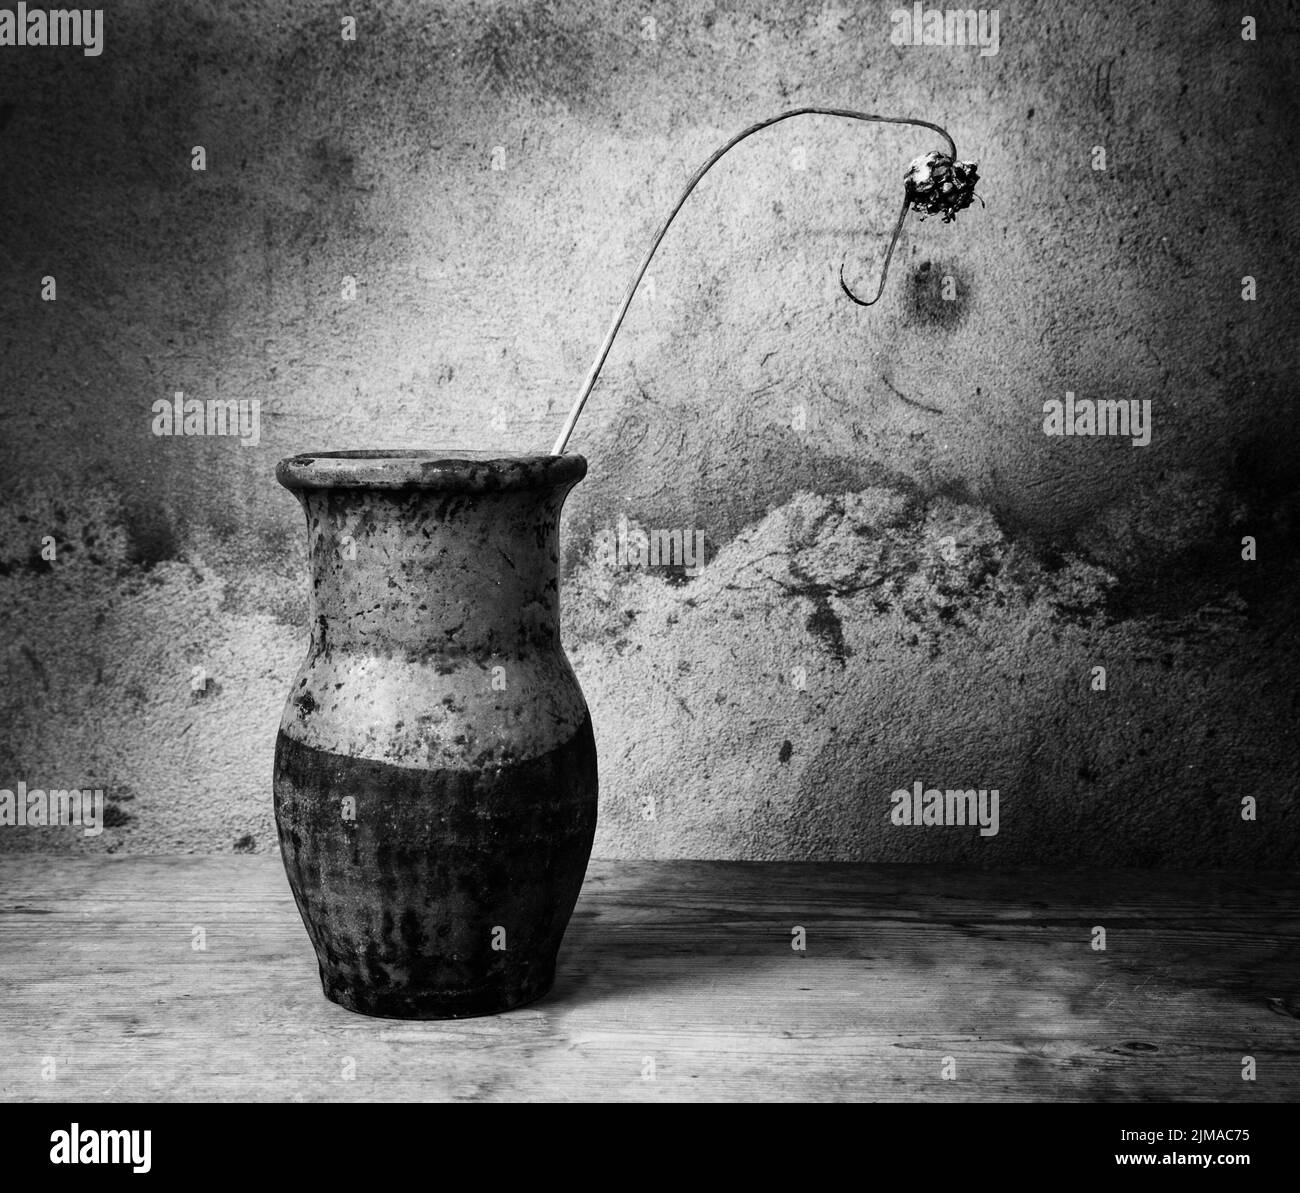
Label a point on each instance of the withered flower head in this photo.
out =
(937, 185)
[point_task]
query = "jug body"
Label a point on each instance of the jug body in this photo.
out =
(435, 771)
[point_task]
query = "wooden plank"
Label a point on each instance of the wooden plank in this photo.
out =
(688, 964)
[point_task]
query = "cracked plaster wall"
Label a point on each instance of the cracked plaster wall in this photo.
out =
(891, 593)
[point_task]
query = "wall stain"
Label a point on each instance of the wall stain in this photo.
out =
(529, 54)
(938, 295)
(150, 537)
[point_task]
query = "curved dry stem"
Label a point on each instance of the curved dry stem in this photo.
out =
(589, 383)
(889, 252)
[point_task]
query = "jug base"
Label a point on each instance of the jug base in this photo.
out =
(438, 1004)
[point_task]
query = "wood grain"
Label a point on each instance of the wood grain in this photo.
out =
(688, 963)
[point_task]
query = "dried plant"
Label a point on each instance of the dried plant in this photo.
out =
(933, 184)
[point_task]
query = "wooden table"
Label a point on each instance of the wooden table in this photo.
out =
(678, 981)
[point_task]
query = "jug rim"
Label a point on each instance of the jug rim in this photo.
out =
(445, 469)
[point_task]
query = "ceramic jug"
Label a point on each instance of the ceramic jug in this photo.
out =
(435, 770)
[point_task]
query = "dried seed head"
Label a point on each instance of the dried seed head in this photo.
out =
(937, 185)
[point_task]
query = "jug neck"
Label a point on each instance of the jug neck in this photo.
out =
(464, 563)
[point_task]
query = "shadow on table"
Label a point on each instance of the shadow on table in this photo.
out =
(632, 932)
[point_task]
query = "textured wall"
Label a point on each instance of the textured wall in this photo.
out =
(905, 580)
